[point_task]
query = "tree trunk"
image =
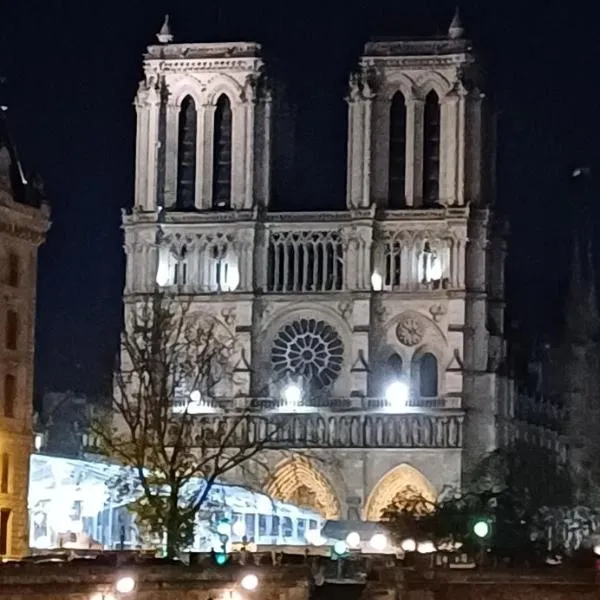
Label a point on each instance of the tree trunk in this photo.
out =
(172, 527)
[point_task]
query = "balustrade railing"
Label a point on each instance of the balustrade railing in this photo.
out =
(337, 430)
(315, 405)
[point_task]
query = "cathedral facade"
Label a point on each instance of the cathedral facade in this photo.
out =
(23, 225)
(377, 330)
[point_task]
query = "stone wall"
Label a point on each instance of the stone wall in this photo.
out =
(82, 581)
(68, 581)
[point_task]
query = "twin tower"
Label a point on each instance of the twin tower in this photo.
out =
(213, 129)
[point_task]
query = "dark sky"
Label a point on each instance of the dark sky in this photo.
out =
(73, 68)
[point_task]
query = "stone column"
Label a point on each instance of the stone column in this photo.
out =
(239, 147)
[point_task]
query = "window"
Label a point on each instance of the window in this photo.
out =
(287, 529)
(4, 473)
(262, 525)
(186, 155)
(431, 150)
(428, 376)
(275, 526)
(301, 528)
(222, 153)
(12, 329)
(4, 525)
(180, 268)
(13, 270)
(10, 395)
(397, 164)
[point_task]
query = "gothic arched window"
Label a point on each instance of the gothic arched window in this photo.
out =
(394, 366)
(397, 165)
(186, 155)
(392, 372)
(222, 153)
(431, 150)
(428, 376)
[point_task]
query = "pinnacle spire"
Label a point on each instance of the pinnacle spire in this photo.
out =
(165, 36)
(577, 299)
(456, 29)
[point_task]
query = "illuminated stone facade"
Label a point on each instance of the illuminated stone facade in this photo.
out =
(23, 225)
(405, 286)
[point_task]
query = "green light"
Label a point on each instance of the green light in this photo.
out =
(481, 529)
(221, 558)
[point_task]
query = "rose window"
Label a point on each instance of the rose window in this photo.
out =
(309, 348)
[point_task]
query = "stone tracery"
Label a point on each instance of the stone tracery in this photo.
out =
(309, 348)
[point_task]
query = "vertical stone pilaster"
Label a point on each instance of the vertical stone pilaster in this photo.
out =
(248, 197)
(409, 175)
(380, 150)
(205, 158)
(449, 149)
(418, 110)
(171, 150)
(152, 157)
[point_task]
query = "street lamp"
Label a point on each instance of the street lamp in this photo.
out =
(239, 528)
(125, 584)
(378, 542)
(408, 545)
(249, 582)
(396, 395)
(481, 529)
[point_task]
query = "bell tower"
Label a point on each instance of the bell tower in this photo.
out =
(416, 125)
(203, 127)
(421, 152)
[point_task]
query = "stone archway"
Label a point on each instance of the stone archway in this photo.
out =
(298, 482)
(400, 481)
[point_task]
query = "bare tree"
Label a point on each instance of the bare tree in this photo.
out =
(171, 360)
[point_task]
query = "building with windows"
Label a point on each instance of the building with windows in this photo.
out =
(24, 221)
(374, 333)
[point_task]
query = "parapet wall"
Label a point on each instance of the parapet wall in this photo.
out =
(373, 580)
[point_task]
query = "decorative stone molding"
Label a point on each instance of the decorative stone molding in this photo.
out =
(437, 312)
(401, 480)
(298, 480)
(410, 330)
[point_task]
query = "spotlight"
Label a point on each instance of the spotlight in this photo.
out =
(292, 395)
(396, 395)
(376, 281)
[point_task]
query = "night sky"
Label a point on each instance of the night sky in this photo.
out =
(73, 68)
